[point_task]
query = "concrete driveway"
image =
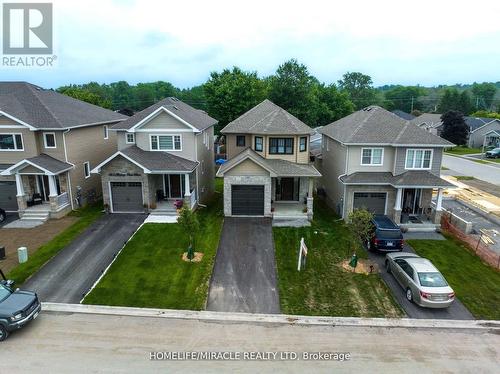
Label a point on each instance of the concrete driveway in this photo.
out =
(455, 311)
(489, 173)
(71, 273)
(244, 276)
(10, 218)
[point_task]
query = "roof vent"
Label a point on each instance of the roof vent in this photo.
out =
(368, 108)
(176, 108)
(175, 99)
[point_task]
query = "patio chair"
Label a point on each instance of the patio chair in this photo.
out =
(36, 199)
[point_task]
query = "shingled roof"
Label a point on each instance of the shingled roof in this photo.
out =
(46, 109)
(44, 162)
(195, 117)
(267, 118)
(374, 125)
(412, 178)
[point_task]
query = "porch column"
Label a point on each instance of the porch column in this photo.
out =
(439, 203)
(397, 205)
(310, 203)
(187, 190)
(19, 185)
(52, 186)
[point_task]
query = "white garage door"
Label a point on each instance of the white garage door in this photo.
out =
(372, 201)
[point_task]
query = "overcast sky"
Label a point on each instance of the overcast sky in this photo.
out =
(394, 41)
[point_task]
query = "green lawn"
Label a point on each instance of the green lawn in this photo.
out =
(86, 215)
(149, 272)
(462, 150)
(323, 288)
(464, 177)
(477, 285)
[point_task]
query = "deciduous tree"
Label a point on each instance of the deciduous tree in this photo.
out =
(454, 128)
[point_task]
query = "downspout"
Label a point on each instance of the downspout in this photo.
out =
(346, 172)
(69, 174)
(197, 168)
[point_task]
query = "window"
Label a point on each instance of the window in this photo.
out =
(49, 140)
(11, 142)
(240, 140)
(86, 169)
(281, 146)
(303, 144)
(105, 129)
(259, 143)
(372, 156)
(130, 139)
(418, 158)
(166, 143)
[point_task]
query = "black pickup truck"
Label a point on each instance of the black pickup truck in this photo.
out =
(17, 308)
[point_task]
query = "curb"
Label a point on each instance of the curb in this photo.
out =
(282, 319)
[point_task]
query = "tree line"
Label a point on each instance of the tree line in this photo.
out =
(231, 92)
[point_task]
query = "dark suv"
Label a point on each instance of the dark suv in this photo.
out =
(386, 236)
(17, 308)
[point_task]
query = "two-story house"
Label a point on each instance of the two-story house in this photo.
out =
(165, 156)
(48, 144)
(268, 172)
(375, 160)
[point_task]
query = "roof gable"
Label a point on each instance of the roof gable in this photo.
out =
(163, 119)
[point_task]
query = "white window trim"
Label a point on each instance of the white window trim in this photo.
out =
(423, 151)
(164, 150)
(371, 157)
(45, 140)
(88, 168)
(106, 131)
(15, 144)
(126, 138)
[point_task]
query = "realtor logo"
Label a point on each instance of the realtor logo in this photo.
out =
(27, 28)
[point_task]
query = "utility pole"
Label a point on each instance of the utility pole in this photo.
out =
(411, 104)
(477, 102)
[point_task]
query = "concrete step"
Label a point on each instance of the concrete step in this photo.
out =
(291, 221)
(163, 213)
(35, 216)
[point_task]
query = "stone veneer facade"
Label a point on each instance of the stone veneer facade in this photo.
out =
(248, 180)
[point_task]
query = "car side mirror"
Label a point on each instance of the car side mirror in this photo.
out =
(9, 283)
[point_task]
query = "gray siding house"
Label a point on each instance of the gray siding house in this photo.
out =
(268, 172)
(165, 155)
(44, 150)
(487, 135)
(375, 160)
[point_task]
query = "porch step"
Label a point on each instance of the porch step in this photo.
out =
(162, 212)
(291, 221)
(420, 228)
(35, 216)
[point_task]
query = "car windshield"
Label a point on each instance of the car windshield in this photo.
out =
(4, 292)
(432, 280)
(389, 234)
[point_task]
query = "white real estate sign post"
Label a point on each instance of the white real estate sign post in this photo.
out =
(302, 255)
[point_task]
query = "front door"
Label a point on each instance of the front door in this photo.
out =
(287, 185)
(43, 187)
(411, 200)
(175, 186)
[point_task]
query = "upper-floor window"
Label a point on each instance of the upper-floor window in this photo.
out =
(418, 158)
(106, 131)
(240, 140)
(49, 140)
(372, 156)
(130, 138)
(259, 143)
(11, 142)
(281, 146)
(166, 143)
(303, 144)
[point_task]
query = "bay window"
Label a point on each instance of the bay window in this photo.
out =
(418, 158)
(279, 146)
(166, 143)
(258, 143)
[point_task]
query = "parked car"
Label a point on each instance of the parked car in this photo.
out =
(17, 308)
(423, 283)
(3, 215)
(494, 153)
(386, 236)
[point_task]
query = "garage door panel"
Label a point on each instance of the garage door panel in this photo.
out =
(247, 200)
(372, 201)
(8, 199)
(126, 196)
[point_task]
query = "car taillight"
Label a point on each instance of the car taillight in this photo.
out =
(451, 295)
(425, 295)
(375, 241)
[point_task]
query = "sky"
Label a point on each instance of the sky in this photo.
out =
(394, 41)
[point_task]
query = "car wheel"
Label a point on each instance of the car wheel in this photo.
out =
(409, 295)
(387, 266)
(3, 333)
(368, 245)
(2, 216)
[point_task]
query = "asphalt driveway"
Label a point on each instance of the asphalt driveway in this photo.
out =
(71, 273)
(455, 311)
(244, 277)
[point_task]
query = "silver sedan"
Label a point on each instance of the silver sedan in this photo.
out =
(423, 283)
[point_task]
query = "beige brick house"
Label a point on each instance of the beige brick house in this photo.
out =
(268, 172)
(165, 155)
(48, 144)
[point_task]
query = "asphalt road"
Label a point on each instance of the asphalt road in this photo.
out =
(488, 173)
(71, 273)
(85, 343)
(455, 311)
(244, 276)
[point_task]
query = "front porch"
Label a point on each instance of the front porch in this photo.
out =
(292, 201)
(414, 210)
(170, 191)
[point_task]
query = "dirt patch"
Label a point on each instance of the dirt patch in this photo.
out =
(198, 256)
(363, 267)
(32, 238)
